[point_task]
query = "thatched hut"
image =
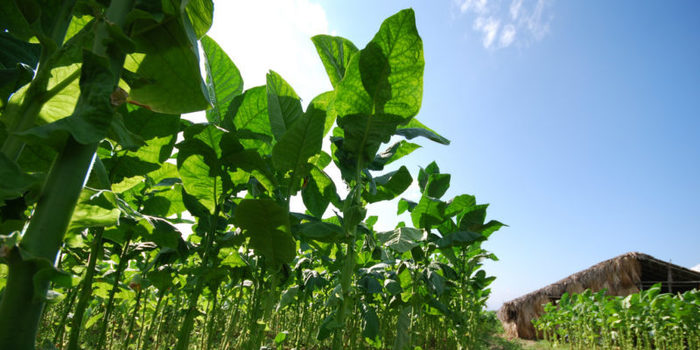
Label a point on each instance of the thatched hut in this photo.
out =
(623, 275)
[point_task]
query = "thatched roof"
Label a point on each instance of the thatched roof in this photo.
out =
(622, 275)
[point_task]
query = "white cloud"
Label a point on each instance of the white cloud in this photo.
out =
(489, 27)
(274, 35)
(477, 6)
(515, 9)
(522, 22)
(696, 268)
(538, 25)
(507, 36)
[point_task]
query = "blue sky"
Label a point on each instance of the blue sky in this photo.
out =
(579, 121)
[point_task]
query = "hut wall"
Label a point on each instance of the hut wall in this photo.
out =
(619, 276)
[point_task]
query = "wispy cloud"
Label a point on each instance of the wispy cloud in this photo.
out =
(522, 22)
(489, 27)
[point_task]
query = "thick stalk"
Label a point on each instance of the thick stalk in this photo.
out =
(58, 338)
(20, 311)
(183, 338)
(114, 331)
(134, 316)
(254, 312)
(269, 301)
(345, 281)
(300, 324)
(159, 322)
(207, 318)
(154, 321)
(233, 321)
(212, 320)
(123, 260)
(142, 322)
(85, 292)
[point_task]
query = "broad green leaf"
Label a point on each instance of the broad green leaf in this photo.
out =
(369, 283)
(47, 273)
(199, 166)
(77, 25)
(392, 287)
(158, 130)
(459, 204)
(165, 74)
(390, 186)
(320, 231)
(437, 185)
(283, 105)
(491, 227)
(401, 239)
(161, 278)
(405, 204)
(13, 181)
(318, 192)
(126, 184)
(436, 281)
(12, 20)
(230, 257)
(223, 80)
(18, 59)
(161, 232)
(321, 104)
(287, 297)
(386, 77)
(472, 219)
(328, 326)
(459, 239)
(248, 116)
(91, 120)
(424, 174)
(94, 209)
(267, 224)
(428, 213)
(393, 153)
(414, 128)
(281, 337)
(165, 175)
(301, 141)
(200, 14)
(63, 81)
(165, 203)
(335, 53)
(365, 133)
(403, 325)
(370, 328)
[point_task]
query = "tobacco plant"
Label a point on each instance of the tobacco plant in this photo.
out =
(645, 320)
(94, 185)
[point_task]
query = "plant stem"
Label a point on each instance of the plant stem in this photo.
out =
(85, 292)
(20, 311)
(58, 337)
(183, 338)
(123, 260)
(134, 315)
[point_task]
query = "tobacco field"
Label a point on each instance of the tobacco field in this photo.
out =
(645, 320)
(99, 173)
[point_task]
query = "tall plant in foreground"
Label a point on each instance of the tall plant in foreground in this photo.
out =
(81, 45)
(96, 130)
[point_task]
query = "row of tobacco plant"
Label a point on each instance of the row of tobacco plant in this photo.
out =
(645, 320)
(93, 185)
